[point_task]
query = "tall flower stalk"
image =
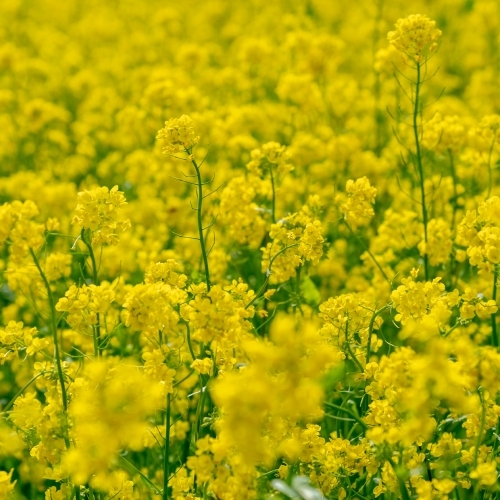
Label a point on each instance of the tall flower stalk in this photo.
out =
(416, 38)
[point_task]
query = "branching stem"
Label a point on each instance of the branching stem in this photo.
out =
(418, 157)
(57, 354)
(96, 329)
(200, 220)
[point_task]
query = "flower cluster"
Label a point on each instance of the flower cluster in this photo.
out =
(415, 36)
(272, 155)
(357, 208)
(99, 211)
(177, 135)
(479, 231)
(292, 292)
(83, 305)
(296, 239)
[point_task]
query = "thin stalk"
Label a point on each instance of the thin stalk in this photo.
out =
(13, 400)
(455, 183)
(494, 334)
(91, 255)
(418, 155)
(190, 345)
(273, 202)
(348, 412)
(268, 274)
(183, 379)
(368, 251)
(200, 221)
(57, 354)
(349, 350)
(166, 464)
(297, 288)
(96, 329)
(402, 485)
(134, 470)
(370, 330)
(454, 327)
(199, 414)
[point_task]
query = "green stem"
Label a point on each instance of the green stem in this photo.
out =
(131, 468)
(199, 414)
(13, 400)
(166, 464)
(91, 255)
(370, 330)
(297, 288)
(190, 345)
(57, 354)
(454, 327)
(96, 329)
(418, 155)
(273, 202)
(455, 183)
(268, 274)
(402, 485)
(200, 221)
(179, 382)
(349, 350)
(494, 334)
(368, 251)
(348, 412)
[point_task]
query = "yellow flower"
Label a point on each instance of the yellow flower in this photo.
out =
(178, 134)
(98, 210)
(485, 473)
(203, 366)
(415, 36)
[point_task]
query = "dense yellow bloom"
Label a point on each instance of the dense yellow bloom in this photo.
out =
(489, 128)
(228, 313)
(297, 239)
(149, 307)
(108, 414)
(99, 210)
(415, 35)
(357, 209)
(414, 300)
(220, 315)
(480, 232)
(444, 133)
(281, 382)
(272, 155)
(84, 304)
(485, 473)
(177, 135)
(240, 212)
(439, 242)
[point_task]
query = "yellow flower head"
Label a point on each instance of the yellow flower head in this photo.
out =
(98, 210)
(357, 208)
(415, 36)
(177, 135)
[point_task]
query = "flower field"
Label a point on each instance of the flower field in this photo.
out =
(249, 250)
